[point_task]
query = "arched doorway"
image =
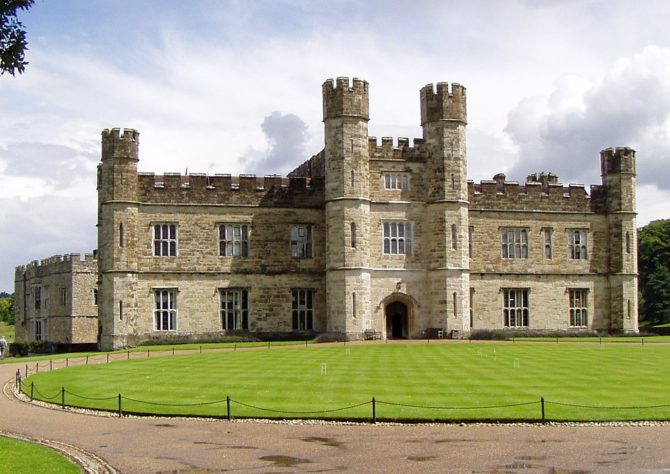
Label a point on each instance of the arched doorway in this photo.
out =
(397, 321)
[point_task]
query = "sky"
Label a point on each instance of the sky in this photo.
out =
(218, 86)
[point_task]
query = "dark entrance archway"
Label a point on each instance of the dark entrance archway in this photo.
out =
(397, 321)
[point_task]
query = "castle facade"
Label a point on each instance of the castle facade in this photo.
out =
(365, 239)
(55, 301)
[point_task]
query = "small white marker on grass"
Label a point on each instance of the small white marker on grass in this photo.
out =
(324, 369)
(517, 364)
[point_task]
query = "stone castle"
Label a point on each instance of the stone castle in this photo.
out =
(363, 240)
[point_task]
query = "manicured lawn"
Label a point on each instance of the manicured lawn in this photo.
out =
(23, 457)
(408, 381)
(7, 331)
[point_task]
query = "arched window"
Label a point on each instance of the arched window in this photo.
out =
(353, 235)
(353, 178)
(122, 242)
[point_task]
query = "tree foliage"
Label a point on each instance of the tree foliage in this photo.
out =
(7, 309)
(13, 42)
(654, 268)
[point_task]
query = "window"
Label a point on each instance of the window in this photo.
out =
(353, 235)
(301, 241)
(547, 242)
(165, 240)
(353, 178)
(45, 297)
(120, 310)
(396, 181)
(577, 244)
(353, 304)
(234, 240)
(62, 292)
(37, 296)
(38, 329)
(302, 308)
(122, 242)
(165, 310)
(515, 243)
(95, 296)
(234, 309)
(471, 236)
(398, 238)
(578, 311)
(627, 242)
(454, 237)
(455, 303)
(515, 308)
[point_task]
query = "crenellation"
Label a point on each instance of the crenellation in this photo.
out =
(344, 99)
(441, 103)
(404, 152)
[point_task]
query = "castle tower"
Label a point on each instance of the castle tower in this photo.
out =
(345, 117)
(443, 119)
(618, 177)
(117, 232)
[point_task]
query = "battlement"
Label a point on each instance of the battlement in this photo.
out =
(120, 144)
(439, 103)
(342, 99)
(542, 191)
(58, 264)
(617, 160)
(402, 151)
(245, 189)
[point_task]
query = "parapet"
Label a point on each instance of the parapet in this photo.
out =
(541, 192)
(225, 189)
(342, 99)
(118, 144)
(58, 264)
(617, 160)
(441, 104)
(400, 152)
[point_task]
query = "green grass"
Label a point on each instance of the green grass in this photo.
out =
(290, 382)
(7, 331)
(23, 457)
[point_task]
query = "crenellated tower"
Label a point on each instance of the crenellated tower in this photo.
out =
(618, 177)
(117, 233)
(443, 119)
(347, 201)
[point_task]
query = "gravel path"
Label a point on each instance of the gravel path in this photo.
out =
(194, 446)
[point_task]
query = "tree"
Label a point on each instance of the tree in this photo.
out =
(13, 43)
(654, 268)
(7, 309)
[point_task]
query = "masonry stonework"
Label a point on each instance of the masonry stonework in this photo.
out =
(366, 237)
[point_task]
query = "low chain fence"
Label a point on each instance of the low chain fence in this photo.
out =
(64, 397)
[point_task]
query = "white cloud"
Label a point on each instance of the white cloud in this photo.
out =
(564, 130)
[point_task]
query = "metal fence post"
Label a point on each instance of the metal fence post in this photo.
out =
(62, 397)
(32, 391)
(374, 411)
(228, 407)
(120, 411)
(543, 418)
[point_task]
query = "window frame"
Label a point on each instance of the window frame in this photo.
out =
(234, 309)
(302, 309)
(301, 246)
(169, 307)
(548, 243)
(393, 243)
(518, 247)
(396, 180)
(516, 307)
(578, 307)
(240, 242)
(578, 241)
(168, 246)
